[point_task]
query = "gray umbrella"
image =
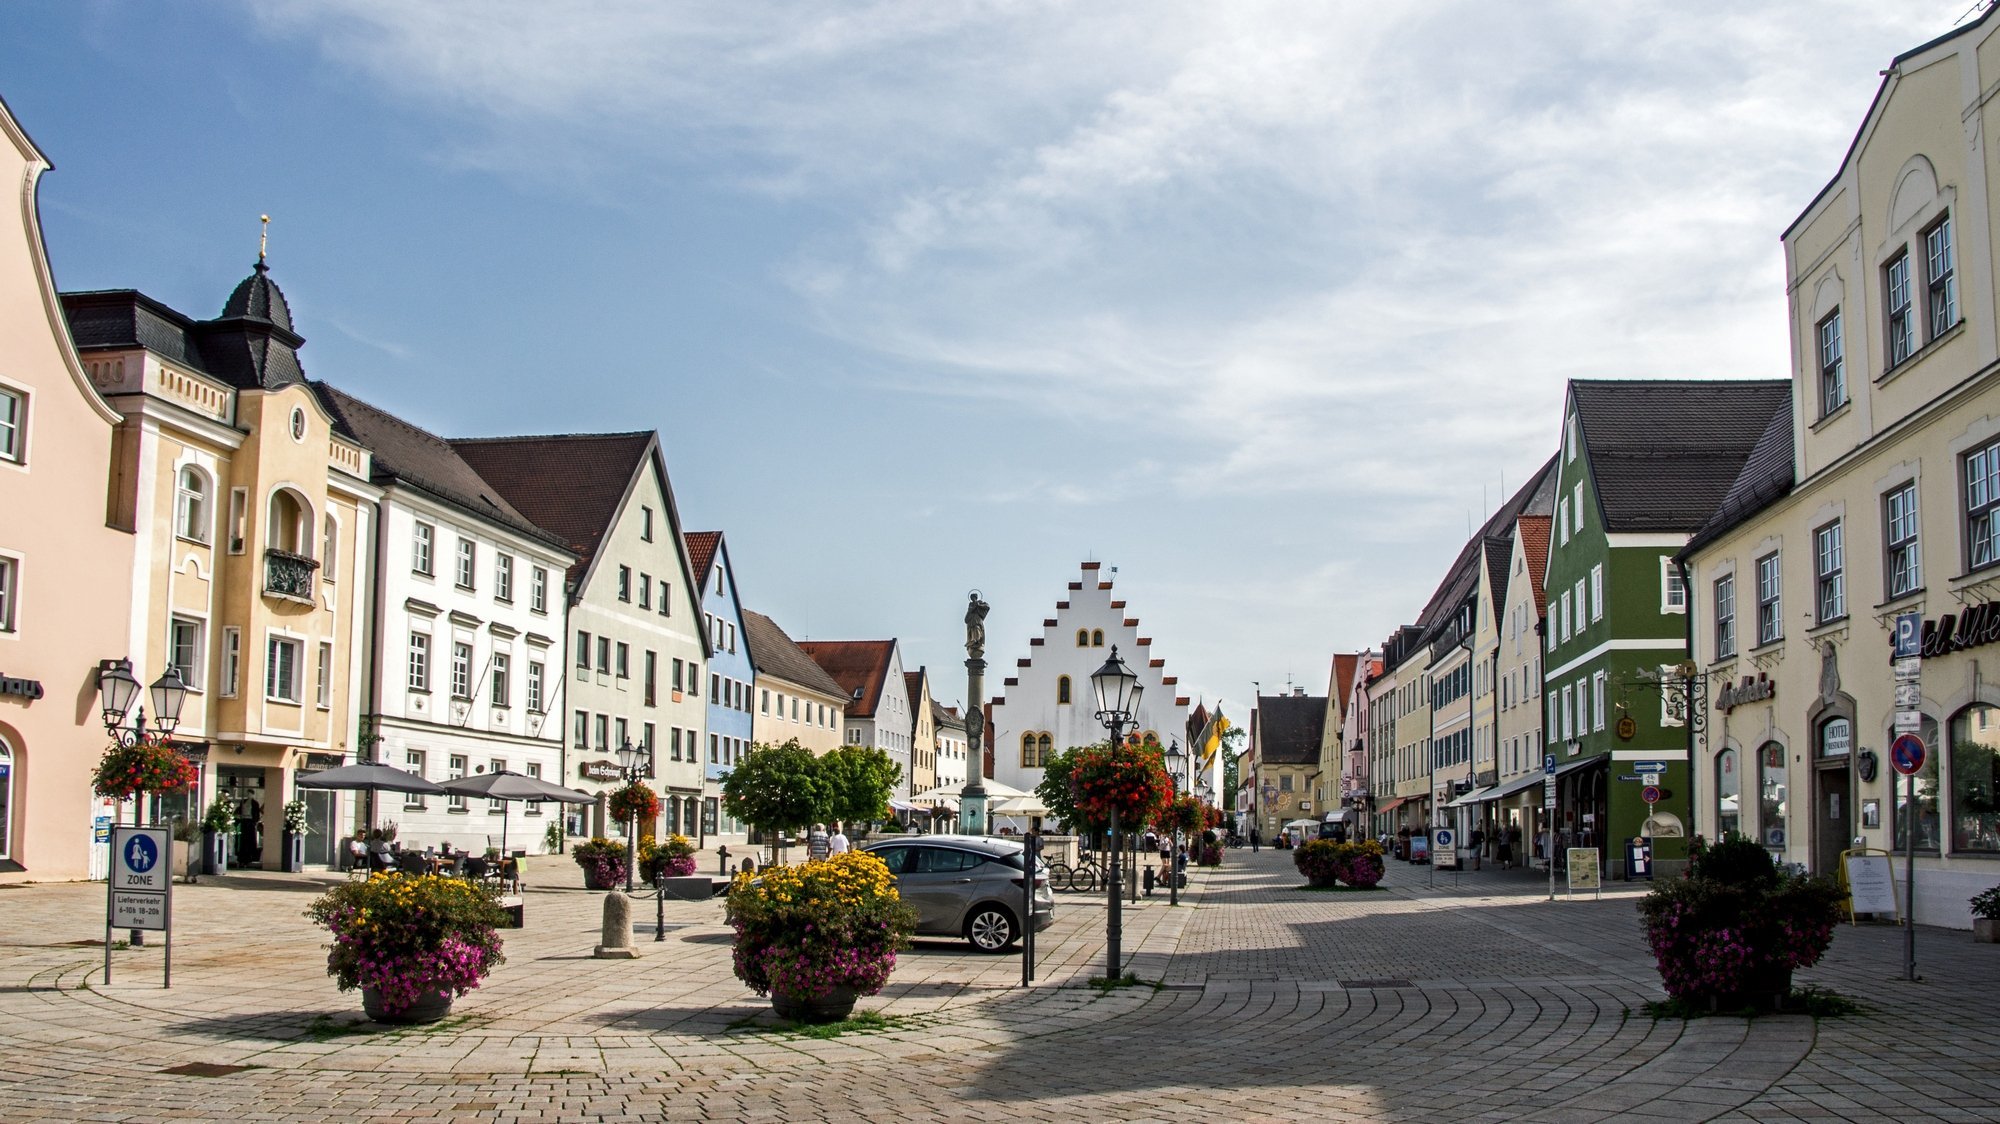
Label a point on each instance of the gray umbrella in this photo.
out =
(370, 779)
(506, 785)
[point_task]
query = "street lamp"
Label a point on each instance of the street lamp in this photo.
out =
(116, 691)
(1175, 761)
(631, 765)
(1118, 693)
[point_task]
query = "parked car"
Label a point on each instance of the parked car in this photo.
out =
(966, 886)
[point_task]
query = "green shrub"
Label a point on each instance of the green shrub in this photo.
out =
(1736, 860)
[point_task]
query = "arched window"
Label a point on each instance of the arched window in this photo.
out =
(1728, 794)
(191, 512)
(1062, 689)
(6, 801)
(1028, 752)
(1774, 794)
(1975, 779)
(329, 550)
(1083, 638)
(1097, 638)
(290, 525)
(1044, 749)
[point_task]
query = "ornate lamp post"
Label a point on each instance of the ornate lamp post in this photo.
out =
(1176, 760)
(972, 798)
(116, 691)
(1118, 692)
(632, 762)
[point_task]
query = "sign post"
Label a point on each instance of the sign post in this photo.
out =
(1444, 849)
(1549, 819)
(140, 891)
(1907, 754)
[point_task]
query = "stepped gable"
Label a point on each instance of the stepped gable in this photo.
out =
(1290, 727)
(1142, 642)
(570, 483)
(404, 453)
(861, 667)
(774, 653)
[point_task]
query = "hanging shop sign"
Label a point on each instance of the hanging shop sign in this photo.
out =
(600, 771)
(1954, 632)
(1748, 691)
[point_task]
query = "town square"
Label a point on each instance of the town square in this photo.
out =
(603, 561)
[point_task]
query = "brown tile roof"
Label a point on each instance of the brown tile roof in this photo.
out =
(858, 666)
(701, 553)
(773, 653)
(1343, 674)
(913, 683)
(570, 483)
(1534, 532)
(1289, 728)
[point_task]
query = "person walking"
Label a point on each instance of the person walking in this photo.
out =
(1506, 849)
(836, 842)
(816, 843)
(1256, 839)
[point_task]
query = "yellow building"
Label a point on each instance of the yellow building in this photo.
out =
(1872, 497)
(253, 520)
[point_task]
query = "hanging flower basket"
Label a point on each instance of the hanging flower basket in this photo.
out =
(1132, 778)
(636, 801)
(147, 766)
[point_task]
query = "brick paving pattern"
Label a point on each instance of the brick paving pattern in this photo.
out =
(1462, 997)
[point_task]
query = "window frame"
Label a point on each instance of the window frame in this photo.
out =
(1980, 506)
(423, 549)
(461, 670)
(1724, 636)
(14, 425)
(538, 590)
(1770, 598)
(500, 692)
(1899, 306)
(1832, 364)
(191, 508)
(537, 676)
(274, 642)
(1940, 278)
(465, 569)
(1902, 553)
(1829, 573)
(503, 576)
(192, 672)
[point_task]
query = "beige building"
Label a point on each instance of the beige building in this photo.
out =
(922, 774)
(1516, 801)
(254, 519)
(1875, 496)
(64, 568)
(796, 698)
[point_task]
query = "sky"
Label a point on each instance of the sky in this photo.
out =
(1264, 304)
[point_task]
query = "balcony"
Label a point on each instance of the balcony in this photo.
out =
(289, 576)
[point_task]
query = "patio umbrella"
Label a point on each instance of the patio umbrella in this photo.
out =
(370, 779)
(507, 786)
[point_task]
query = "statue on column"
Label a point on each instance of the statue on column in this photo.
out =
(975, 626)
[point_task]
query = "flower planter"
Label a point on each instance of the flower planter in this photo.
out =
(427, 1009)
(295, 853)
(1986, 930)
(1323, 882)
(832, 1007)
(593, 881)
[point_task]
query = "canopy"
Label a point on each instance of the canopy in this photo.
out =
(1339, 815)
(370, 778)
(1020, 806)
(508, 786)
(948, 793)
(1473, 797)
(1301, 824)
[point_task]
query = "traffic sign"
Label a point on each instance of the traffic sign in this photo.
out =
(1649, 766)
(1908, 721)
(1650, 794)
(1444, 837)
(139, 859)
(1907, 754)
(1549, 764)
(1548, 792)
(1909, 635)
(1909, 696)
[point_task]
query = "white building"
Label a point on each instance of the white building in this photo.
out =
(1048, 705)
(878, 703)
(464, 649)
(951, 744)
(637, 649)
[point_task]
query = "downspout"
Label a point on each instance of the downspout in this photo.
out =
(1694, 667)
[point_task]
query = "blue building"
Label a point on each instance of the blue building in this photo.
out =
(730, 678)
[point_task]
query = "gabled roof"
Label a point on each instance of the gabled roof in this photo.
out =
(946, 717)
(701, 553)
(1462, 579)
(404, 453)
(861, 667)
(1664, 452)
(1499, 562)
(1289, 728)
(773, 653)
(913, 685)
(1534, 532)
(1344, 666)
(571, 484)
(1768, 476)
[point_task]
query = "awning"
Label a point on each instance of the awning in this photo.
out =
(1335, 816)
(1393, 804)
(1473, 797)
(1596, 759)
(1511, 787)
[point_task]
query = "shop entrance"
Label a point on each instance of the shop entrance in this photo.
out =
(322, 834)
(1833, 818)
(244, 789)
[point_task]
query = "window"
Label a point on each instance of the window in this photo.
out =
(582, 650)
(467, 558)
(323, 679)
(1770, 626)
(329, 549)
(580, 734)
(1829, 582)
(503, 576)
(6, 800)
(1097, 638)
(1832, 365)
(625, 583)
(732, 637)
(13, 433)
(496, 807)
(714, 747)
(10, 586)
(646, 523)
(623, 731)
(678, 665)
(1902, 316)
(232, 659)
(413, 761)
(1083, 638)
(1566, 704)
(1597, 592)
(538, 590)
(500, 693)
(239, 506)
(1673, 594)
(421, 537)
(1576, 506)
(1899, 517)
(535, 673)
(190, 499)
(645, 590)
(1562, 613)
(1569, 444)
(601, 726)
(652, 674)
(1579, 606)
(1940, 289)
(1597, 701)
(1562, 522)
(455, 770)
(1836, 737)
(184, 650)
(1728, 794)
(1773, 794)
(1062, 690)
(1725, 616)
(1285, 783)
(694, 680)
(763, 701)
(1975, 770)
(533, 807)
(719, 590)
(461, 671)
(1982, 496)
(646, 740)
(624, 665)
(666, 604)
(281, 669)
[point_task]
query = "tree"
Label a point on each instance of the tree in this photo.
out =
(1230, 773)
(776, 787)
(857, 780)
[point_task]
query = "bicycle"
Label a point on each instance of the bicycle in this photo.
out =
(1086, 876)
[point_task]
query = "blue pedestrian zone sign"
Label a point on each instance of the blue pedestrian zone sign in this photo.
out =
(141, 854)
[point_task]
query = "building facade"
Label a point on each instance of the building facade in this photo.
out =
(952, 743)
(1285, 735)
(922, 775)
(732, 675)
(870, 673)
(1515, 809)
(64, 566)
(796, 698)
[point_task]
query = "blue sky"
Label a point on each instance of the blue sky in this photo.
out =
(1260, 303)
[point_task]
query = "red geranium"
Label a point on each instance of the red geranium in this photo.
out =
(146, 767)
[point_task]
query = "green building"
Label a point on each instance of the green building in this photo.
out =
(1643, 465)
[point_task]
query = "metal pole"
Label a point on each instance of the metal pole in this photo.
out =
(1031, 850)
(1115, 920)
(1910, 881)
(660, 911)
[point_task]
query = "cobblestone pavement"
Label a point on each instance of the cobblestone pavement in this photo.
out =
(1462, 997)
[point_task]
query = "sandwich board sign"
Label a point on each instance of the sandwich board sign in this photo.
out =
(140, 891)
(1871, 885)
(1584, 873)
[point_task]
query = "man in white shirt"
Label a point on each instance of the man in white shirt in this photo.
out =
(836, 843)
(816, 845)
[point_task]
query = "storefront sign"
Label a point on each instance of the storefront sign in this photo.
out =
(1976, 626)
(30, 689)
(600, 771)
(1748, 691)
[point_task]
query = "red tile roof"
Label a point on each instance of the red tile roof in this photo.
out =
(1534, 534)
(1343, 676)
(858, 666)
(569, 483)
(701, 552)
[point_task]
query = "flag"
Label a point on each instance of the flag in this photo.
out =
(1211, 739)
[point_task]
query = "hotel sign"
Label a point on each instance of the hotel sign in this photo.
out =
(1976, 626)
(1748, 691)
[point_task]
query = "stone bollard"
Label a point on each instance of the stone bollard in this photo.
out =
(749, 866)
(616, 939)
(722, 855)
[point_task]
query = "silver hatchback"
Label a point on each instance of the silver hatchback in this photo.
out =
(966, 886)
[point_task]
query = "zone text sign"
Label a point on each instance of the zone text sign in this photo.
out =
(141, 881)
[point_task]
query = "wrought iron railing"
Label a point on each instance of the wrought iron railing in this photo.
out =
(289, 575)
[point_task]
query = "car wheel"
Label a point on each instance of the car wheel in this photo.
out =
(991, 928)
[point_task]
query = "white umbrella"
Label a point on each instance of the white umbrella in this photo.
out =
(1020, 806)
(948, 794)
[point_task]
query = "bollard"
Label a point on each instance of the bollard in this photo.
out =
(615, 942)
(722, 857)
(749, 866)
(1147, 878)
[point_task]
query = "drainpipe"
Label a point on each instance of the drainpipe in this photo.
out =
(1694, 761)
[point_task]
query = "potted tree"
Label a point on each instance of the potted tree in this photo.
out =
(603, 863)
(216, 824)
(817, 936)
(1728, 934)
(1986, 917)
(411, 944)
(295, 836)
